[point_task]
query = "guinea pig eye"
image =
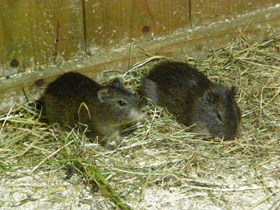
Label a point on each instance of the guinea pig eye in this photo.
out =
(219, 117)
(122, 102)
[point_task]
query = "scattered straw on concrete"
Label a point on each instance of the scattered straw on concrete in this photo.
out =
(164, 165)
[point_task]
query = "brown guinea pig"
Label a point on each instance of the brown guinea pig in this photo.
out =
(193, 99)
(75, 99)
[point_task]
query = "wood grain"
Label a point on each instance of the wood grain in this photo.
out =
(111, 24)
(39, 32)
(204, 12)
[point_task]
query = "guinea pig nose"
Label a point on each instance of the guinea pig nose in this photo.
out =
(143, 108)
(230, 136)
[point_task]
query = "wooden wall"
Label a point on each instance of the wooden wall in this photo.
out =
(36, 34)
(39, 32)
(211, 11)
(33, 33)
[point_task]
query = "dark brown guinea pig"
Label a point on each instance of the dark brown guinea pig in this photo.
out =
(193, 99)
(74, 98)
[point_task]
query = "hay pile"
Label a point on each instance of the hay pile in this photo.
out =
(164, 165)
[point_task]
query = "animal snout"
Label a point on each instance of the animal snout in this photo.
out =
(143, 109)
(230, 136)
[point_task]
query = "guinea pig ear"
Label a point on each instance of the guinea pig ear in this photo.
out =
(117, 83)
(103, 95)
(234, 90)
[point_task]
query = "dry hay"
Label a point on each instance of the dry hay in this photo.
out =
(164, 165)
